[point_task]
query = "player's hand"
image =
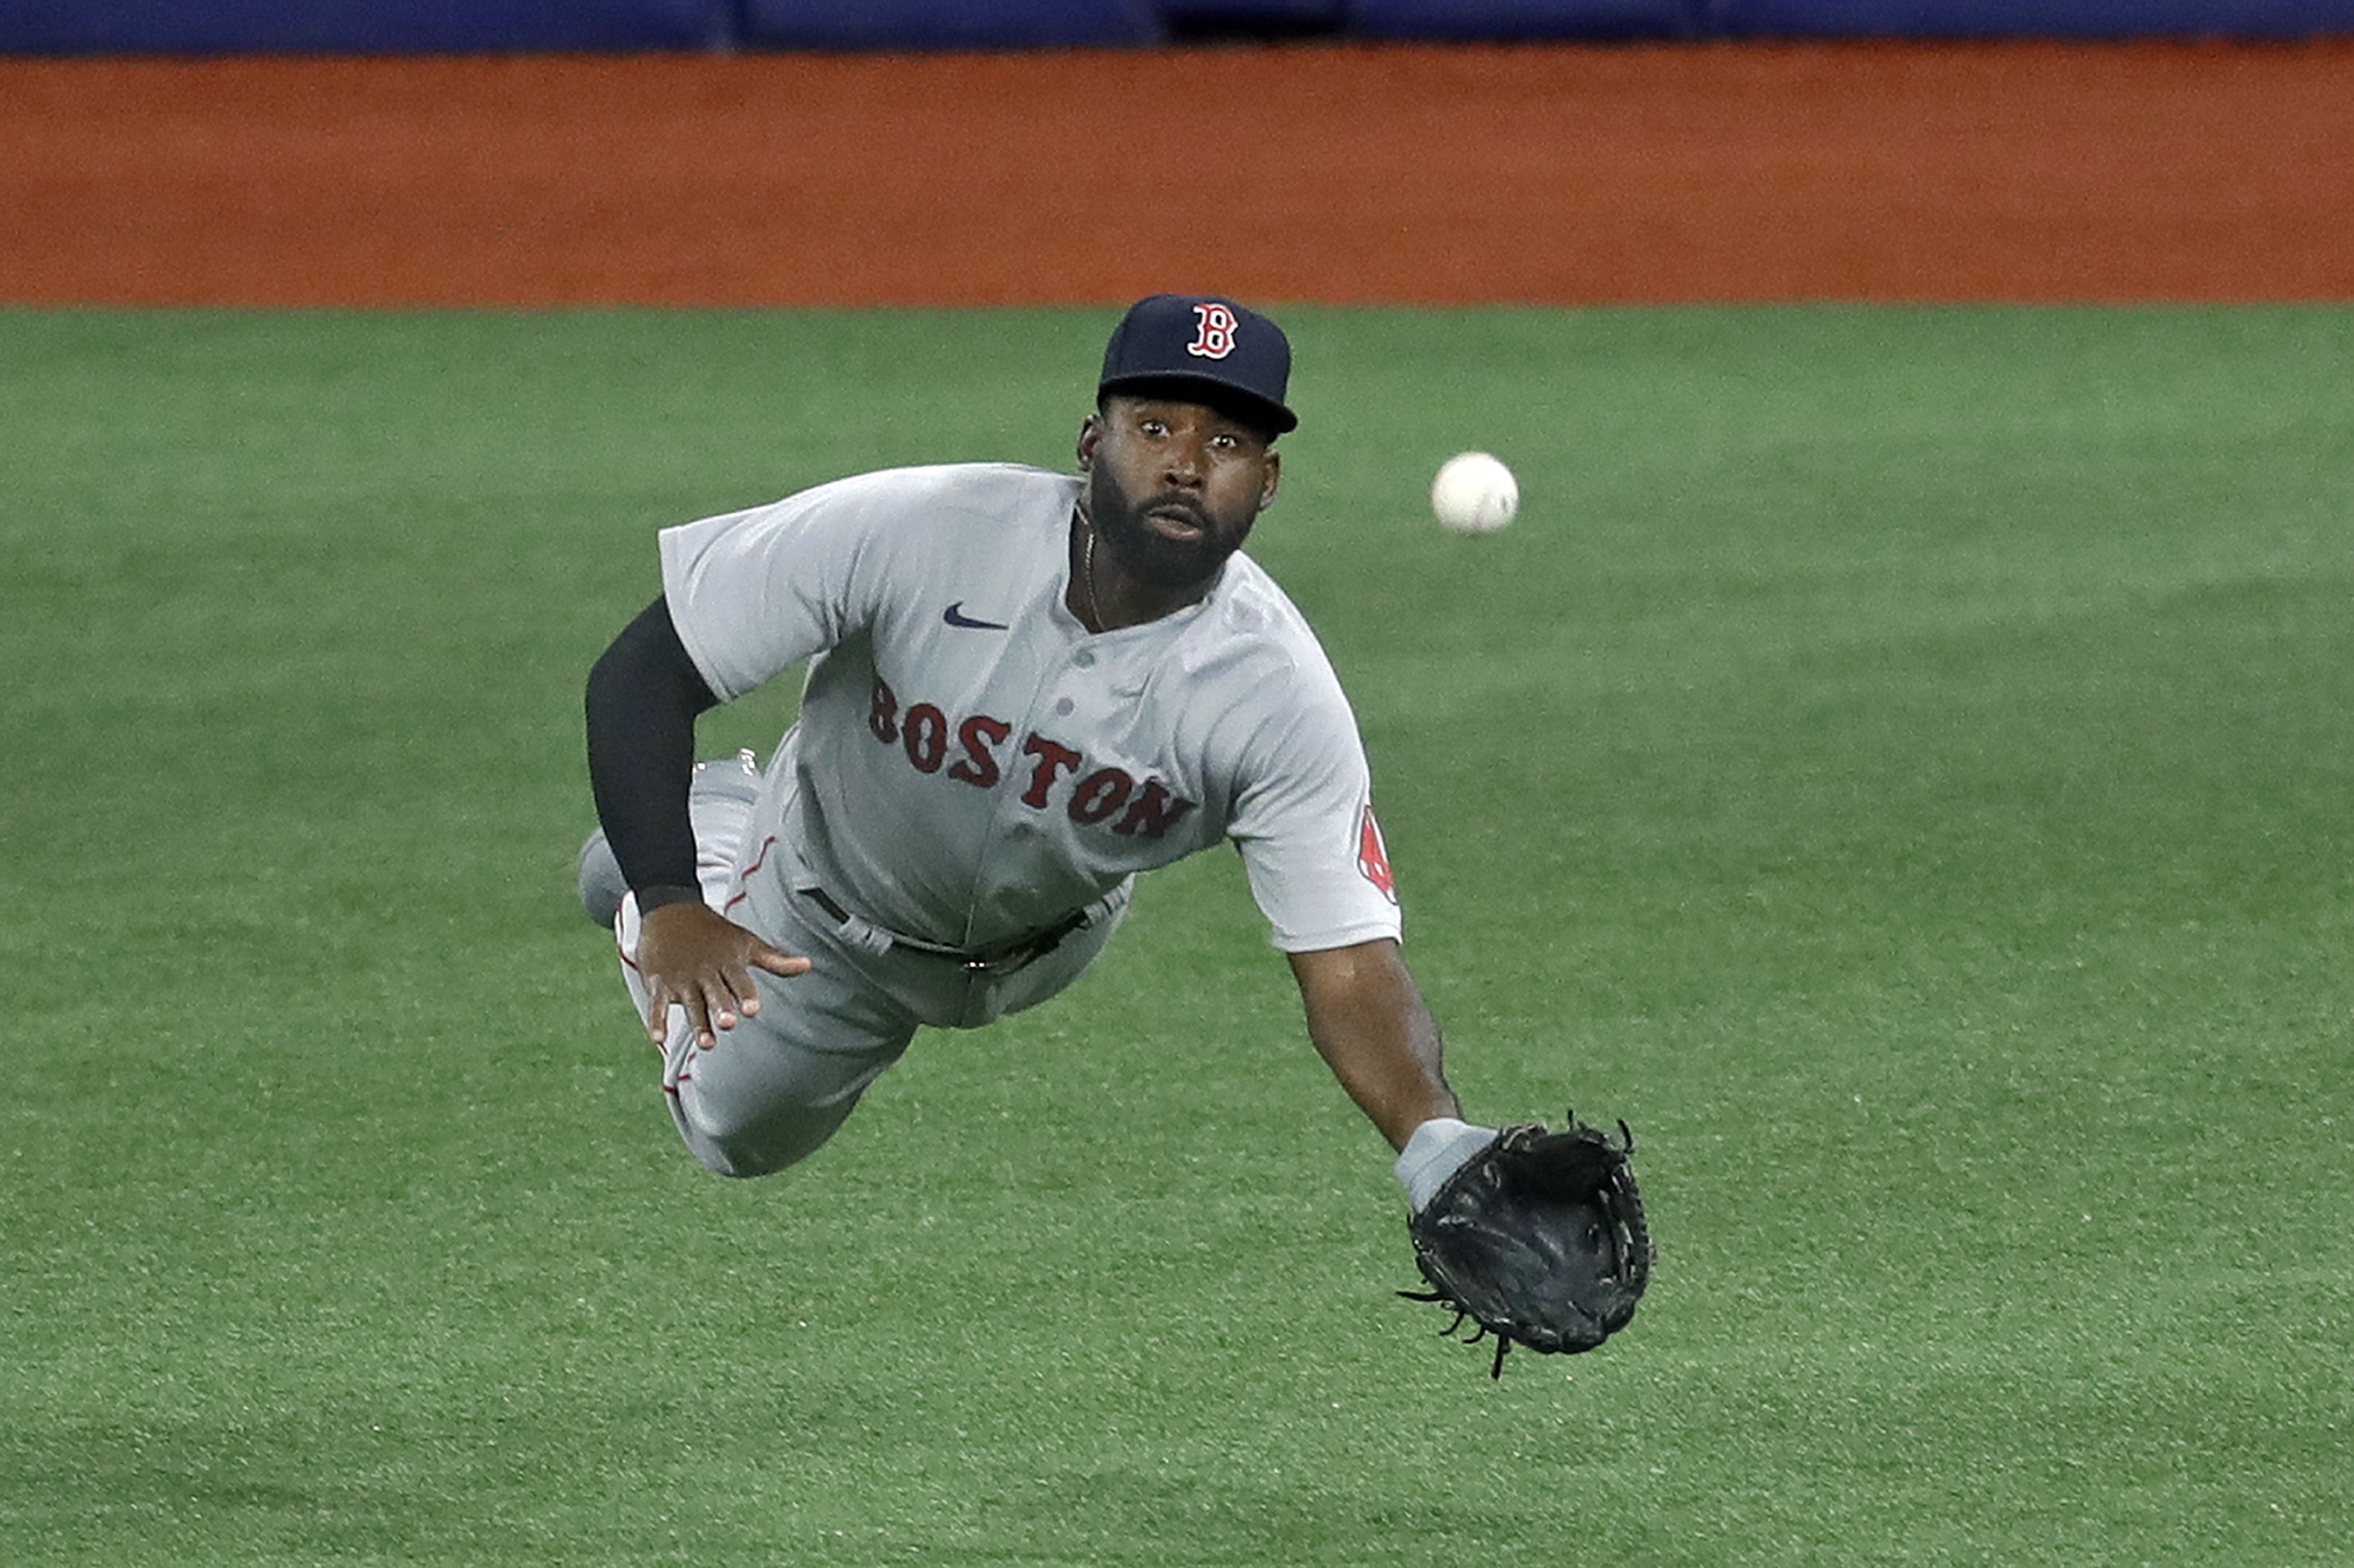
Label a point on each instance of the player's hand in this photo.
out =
(691, 956)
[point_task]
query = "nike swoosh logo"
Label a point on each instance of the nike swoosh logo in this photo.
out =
(957, 617)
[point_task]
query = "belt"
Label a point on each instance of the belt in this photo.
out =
(998, 957)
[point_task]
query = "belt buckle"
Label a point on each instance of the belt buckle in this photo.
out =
(1009, 961)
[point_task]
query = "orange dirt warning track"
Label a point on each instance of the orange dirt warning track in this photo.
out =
(1345, 174)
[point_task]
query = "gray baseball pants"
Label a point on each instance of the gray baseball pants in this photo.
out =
(779, 1084)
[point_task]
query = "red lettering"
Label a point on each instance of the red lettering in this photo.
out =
(1053, 760)
(1100, 794)
(969, 751)
(1153, 812)
(982, 735)
(1374, 856)
(926, 736)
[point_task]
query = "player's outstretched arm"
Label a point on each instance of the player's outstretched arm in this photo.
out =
(1368, 1021)
(643, 697)
(691, 956)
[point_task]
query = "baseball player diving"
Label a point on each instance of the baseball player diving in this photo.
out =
(1023, 689)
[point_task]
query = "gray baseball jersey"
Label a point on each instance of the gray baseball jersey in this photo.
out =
(971, 763)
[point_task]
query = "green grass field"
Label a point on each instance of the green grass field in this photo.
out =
(1901, 761)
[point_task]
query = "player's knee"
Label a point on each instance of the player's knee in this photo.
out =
(742, 1160)
(742, 1147)
(718, 1158)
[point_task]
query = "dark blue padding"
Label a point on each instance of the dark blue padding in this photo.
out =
(1244, 14)
(914, 25)
(354, 26)
(2032, 18)
(1517, 20)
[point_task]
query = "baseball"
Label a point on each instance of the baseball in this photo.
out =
(1474, 493)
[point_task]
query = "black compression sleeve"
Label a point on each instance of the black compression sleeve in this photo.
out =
(644, 696)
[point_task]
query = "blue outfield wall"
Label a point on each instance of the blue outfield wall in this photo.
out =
(2031, 18)
(479, 27)
(916, 24)
(1721, 20)
(1530, 21)
(356, 27)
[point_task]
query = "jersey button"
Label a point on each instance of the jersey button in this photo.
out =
(1062, 706)
(1084, 659)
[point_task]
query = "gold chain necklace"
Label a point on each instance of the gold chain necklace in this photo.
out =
(1087, 576)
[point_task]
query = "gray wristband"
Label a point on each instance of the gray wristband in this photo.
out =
(1436, 1152)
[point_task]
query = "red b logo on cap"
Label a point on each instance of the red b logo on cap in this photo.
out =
(1213, 335)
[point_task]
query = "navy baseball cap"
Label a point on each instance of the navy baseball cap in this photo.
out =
(1229, 355)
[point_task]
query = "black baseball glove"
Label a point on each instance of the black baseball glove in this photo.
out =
(1539, 1239)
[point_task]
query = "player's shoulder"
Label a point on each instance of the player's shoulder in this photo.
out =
(1253, 628)
(1252, 603)
(1008, 490)
(914, 505)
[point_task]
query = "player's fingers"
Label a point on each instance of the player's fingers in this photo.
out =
(778, 962)
(714, 1001)
(745, 994)
(658, 1006)
(687, 995)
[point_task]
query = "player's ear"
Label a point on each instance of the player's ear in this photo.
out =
(1090, 434)
(1273, 480)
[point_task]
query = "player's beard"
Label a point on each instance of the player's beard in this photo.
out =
(1150, 556)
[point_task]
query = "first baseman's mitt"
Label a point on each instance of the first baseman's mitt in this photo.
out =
(1539, 1239)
